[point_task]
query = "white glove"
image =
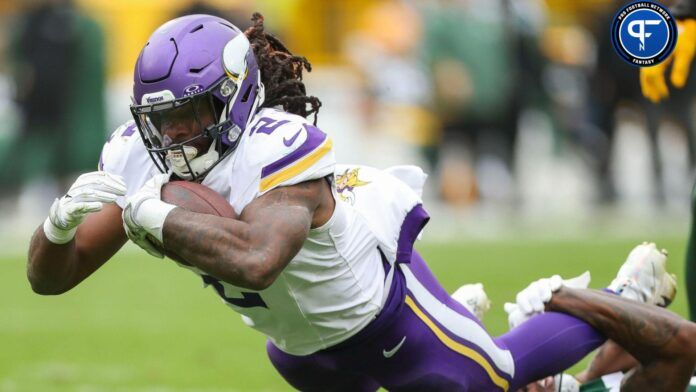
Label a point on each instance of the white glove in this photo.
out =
(88, 194)
(559, 383)
(144, 215)
(474, 299)
(566, 383)
(532, 300)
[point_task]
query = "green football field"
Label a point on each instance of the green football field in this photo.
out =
(143, 324)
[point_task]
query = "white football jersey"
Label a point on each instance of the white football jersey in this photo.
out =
(336, 284)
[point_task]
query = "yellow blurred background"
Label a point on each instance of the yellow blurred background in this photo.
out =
(500, 101)
(313, 28)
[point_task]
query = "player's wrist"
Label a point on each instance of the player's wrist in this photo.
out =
(151, 215)
(57, 235)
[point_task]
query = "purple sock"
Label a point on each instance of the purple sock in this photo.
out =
(548, 344)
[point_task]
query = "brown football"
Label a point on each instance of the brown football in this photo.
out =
(197, 198)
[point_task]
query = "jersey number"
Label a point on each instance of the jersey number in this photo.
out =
(248, 300)
(267, 125)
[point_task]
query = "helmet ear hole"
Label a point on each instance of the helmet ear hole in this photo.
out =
(218, 107)
(245, 97)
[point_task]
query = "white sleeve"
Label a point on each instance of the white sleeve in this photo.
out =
(124, 154)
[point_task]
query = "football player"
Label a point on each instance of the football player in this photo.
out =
(335, 285)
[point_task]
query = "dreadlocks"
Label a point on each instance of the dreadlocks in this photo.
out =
(281, 72)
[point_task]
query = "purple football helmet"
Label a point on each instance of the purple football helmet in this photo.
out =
(188, 62)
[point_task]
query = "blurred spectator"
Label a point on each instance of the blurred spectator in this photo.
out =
(469, 48)
(576, 106)
(57, 63)
(613, 85)
(396, 89)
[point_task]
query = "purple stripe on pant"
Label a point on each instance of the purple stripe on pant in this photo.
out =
(401, 353)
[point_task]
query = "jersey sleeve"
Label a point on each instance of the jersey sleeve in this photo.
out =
(292, 152)
(124, 155)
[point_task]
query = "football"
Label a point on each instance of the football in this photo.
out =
(197, 198)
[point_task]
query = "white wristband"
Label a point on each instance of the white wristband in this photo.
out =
(151, 215)
(56, 235)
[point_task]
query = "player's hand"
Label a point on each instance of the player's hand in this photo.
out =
(532, 300)
(652, 79)
(88, 194)
(144, 215)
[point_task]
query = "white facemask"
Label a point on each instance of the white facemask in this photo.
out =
(199, 164)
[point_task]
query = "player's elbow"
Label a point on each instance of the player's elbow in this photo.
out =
(43, 287)
(44, 283)
(261, 274)
(259, 279)
(258, 284)
(42, 290)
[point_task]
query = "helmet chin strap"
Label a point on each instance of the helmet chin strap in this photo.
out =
(198, 164)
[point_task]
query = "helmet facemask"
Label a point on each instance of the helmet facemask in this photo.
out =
(186, 158)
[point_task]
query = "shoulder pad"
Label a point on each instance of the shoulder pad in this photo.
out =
(285, 149)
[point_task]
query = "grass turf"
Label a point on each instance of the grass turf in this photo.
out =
(142, 324)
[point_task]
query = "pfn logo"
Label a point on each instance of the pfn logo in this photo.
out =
(643, 33)
(640, 33)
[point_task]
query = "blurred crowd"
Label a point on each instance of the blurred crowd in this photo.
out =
(503, 101)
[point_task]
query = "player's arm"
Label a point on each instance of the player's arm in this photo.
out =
(57, 268)
(610, 358)
(82, 232)
(252, 251)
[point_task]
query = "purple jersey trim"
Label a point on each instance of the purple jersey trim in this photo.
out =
(315, 138)
(128, 131)
(414, 222)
